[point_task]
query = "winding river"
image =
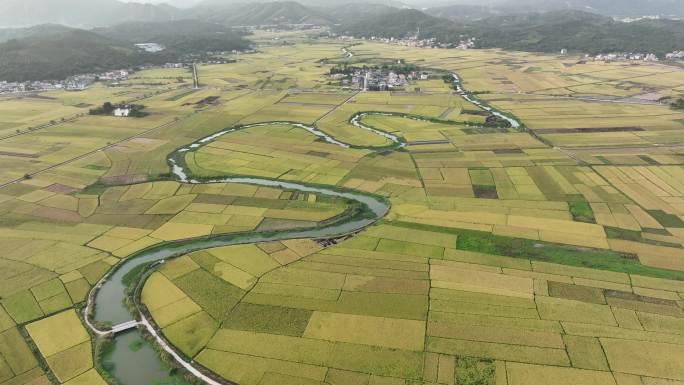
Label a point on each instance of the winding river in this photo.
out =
(134, 362)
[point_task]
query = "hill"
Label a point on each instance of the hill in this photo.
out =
(538, 32)
(463, 12)
(56, 52)
(267, 13)
(574, 30)
(612, 8)
(81, 13)
(179, 37)
(20, 33)
(59, 55)
(354, 11)
(396, 23)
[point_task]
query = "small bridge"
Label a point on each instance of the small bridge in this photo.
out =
(124, 326)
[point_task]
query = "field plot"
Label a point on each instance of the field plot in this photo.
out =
(19, 365)
(62, 243)
(559, 116)
(275, 151)
(525, 320)
(297, 67)
(44, 148)
(20, 114)
(65, 344)
(97, 94)
(162, 76)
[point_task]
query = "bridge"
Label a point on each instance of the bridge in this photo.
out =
(124, 326)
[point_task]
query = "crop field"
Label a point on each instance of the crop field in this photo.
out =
(162, 76)
(548, 254)
(299, 67)
(20, 114)
(65, 344)
(516, 318)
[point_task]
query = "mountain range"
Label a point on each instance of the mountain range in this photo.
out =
(538, 32)
(612, 8)
(102, 13)
(55, 49)
(56, 52)
(80, 13)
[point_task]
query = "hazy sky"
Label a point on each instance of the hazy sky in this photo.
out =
(322, 2)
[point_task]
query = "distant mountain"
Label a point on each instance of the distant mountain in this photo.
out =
(20, 33)
(612, 8)
(53, 52)
(258, 13)
(572, 30)
(397, 23)
(80, 13)
(182, 4)
(307, 3)
(355, 11)
(180, 36)
(58, 55)
(540, 32)
(87, 14)
(464, 12)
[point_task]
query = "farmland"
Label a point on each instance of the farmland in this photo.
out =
(549, 254)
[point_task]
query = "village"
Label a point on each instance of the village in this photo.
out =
(387, 78)
(416, 42)
(613, 57)
(73, 83)
(79, 82)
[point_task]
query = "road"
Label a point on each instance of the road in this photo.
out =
(195, 77)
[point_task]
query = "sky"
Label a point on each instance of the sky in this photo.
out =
(320, 1)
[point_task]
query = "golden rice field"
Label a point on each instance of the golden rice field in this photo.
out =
(550, 254)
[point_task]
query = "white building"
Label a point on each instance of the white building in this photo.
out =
(122, 112)
(150, 47)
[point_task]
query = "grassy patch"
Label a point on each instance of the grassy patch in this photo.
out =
(472, 371)
(548, 252)
(192, 334)
(631, 235)
(581, 211)
(485, 192)
(133, 277)
(136, 345)
(667, 220)
(214, 295)
(268, 319)
(22, 307)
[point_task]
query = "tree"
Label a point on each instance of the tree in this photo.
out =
(678, 104)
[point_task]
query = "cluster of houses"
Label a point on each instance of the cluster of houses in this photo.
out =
(416, 42)
(675, 55)
(378, 79)
(72, 83)
(612, 57)
(12, 87)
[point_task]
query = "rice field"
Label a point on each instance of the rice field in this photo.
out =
(553, 254)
